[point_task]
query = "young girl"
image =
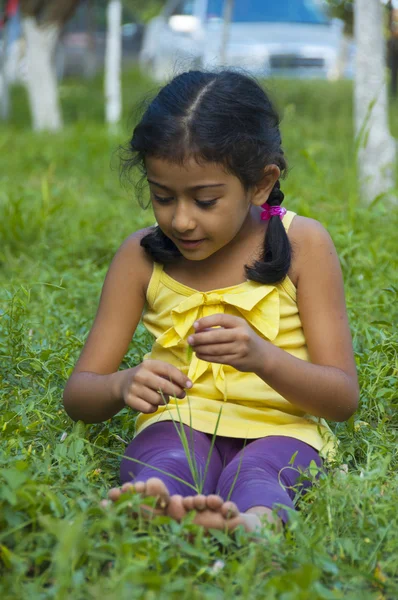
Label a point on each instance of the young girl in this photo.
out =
(245, 301)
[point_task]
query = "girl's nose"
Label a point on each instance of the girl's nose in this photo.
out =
(182, 221)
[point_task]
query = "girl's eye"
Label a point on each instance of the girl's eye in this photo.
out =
(201, 203)
(162, 200)
(207, 203)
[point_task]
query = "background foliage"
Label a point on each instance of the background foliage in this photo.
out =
(62, 217)
(344, 10)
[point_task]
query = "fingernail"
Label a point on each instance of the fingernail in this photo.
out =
(196, 324)
(188, 384)
(190, 339)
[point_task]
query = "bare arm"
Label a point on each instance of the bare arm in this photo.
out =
(93, 392)
(328, 385)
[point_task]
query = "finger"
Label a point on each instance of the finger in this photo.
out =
(171, 373)
(217, 320)
(143, 393)
(218, 360)
(146, 379)
(222, 359)
(168, 387)
(165, 398)
(153, 397)
(214, 350)
(212, 336)
(140, 405)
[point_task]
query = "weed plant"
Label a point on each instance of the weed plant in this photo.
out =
(63, 214)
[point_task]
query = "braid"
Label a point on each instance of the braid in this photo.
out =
(276, 197)
(276, 257)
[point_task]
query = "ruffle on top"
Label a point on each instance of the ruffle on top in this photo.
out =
(258, 304)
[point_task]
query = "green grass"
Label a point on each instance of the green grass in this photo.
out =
(62, 216)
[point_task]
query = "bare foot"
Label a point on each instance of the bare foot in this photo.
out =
(212, 512)
(153, 488)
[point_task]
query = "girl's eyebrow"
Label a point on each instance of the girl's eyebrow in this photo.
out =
(193, 188)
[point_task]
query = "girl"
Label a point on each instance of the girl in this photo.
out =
(245, 301)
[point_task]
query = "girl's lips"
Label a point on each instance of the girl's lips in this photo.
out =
(190, 243)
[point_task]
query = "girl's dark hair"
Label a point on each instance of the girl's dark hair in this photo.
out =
(227, 118)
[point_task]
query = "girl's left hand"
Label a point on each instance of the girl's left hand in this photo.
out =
(233, 343)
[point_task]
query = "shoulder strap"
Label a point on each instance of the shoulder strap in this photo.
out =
(287, 219)
(153, 285)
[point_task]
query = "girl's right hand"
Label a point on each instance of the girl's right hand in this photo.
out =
(150, 385)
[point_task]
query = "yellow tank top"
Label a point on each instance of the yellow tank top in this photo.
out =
(238, 405)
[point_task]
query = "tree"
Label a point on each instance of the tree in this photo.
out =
(227, 18)
(113, 52)
(343, 10)
(376, 152)
(10, 56)
(42, 24)
(393, 45)
(113, 59)
(144, 10)
(4, 91)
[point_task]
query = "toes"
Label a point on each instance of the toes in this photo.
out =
(188, 503)
(140, 487)
(199, 502)
(229, 510)
(114, 494)
(214, 502)
(155, 487)
(127, 487)
(176, 508)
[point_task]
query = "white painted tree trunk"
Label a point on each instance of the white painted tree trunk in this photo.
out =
(41, 42)
(4, 97)
(342, 58)
(4, 90)
(227, 18)
(376, 154)
(113, 59)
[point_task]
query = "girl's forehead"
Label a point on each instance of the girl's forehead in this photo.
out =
(190, 170)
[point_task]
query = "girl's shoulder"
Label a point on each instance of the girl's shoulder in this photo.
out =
(305, 230)
(308, 239)
(132, 258)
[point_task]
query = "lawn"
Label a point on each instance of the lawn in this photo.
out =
(63, 214)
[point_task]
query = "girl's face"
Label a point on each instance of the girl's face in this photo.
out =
(200, 207)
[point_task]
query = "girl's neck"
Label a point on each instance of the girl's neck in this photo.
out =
(225, 267)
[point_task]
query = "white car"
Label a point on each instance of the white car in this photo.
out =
(266, 37)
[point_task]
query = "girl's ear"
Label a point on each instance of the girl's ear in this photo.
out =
(262, 190)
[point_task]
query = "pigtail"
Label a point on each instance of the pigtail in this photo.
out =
(159, 247)
(277, 252)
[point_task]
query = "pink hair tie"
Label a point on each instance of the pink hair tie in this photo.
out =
(272, 211)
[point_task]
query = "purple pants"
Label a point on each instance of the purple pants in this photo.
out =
(250, 473)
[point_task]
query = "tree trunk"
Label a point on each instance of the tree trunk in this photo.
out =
(227, 18)
(342, 58)
(393, 48)
(394, 66)
(90, 66)
(376, 148)
(41, 42)
(113, 57)
(4, 88)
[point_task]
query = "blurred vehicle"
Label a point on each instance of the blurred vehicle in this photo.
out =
(293, 38)
(81, 49)
(12, 47)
